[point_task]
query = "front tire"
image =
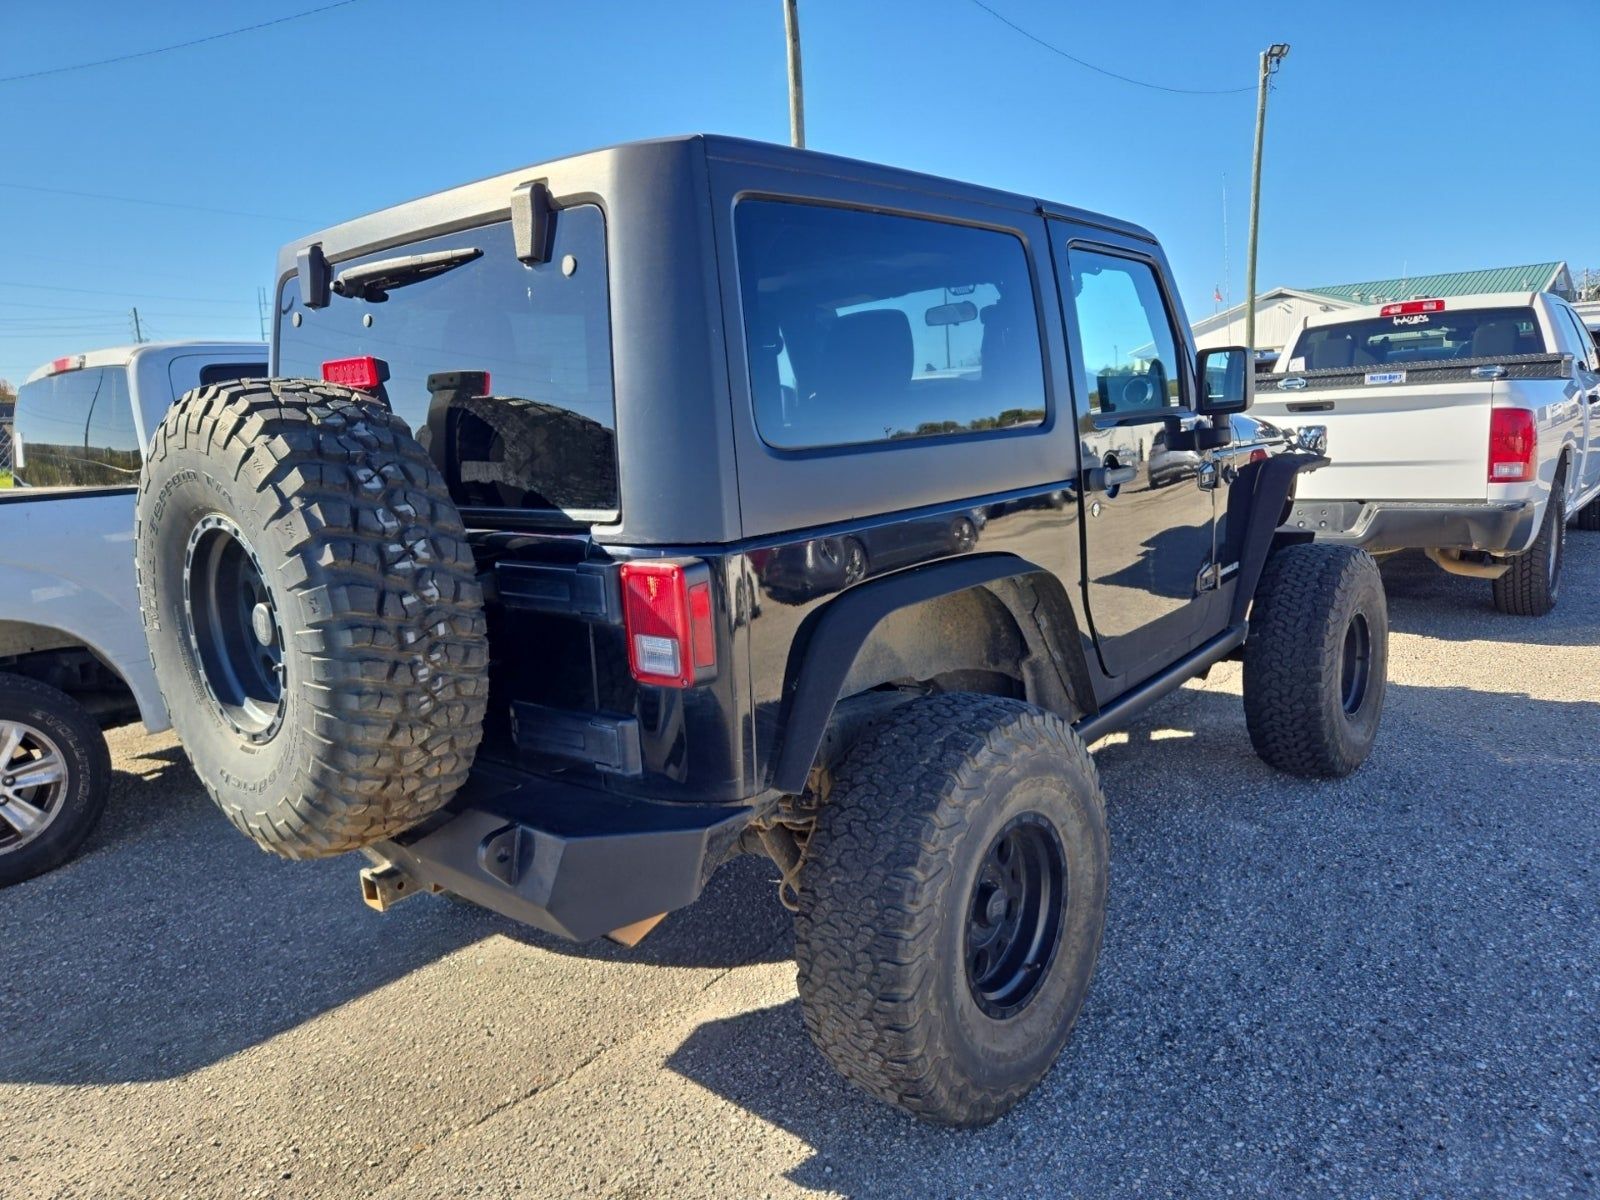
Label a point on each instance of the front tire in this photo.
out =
(1532, 584)
(951, 905)
(54, 774)
(1316, 660)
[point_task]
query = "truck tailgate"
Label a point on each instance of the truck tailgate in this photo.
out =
(1418, 440)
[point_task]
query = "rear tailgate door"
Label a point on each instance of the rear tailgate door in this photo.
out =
(1393, 433)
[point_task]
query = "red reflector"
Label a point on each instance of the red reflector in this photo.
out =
(1411, 306)
(1259, 454)
(666, 611)
(1513, 445)
(360, 373)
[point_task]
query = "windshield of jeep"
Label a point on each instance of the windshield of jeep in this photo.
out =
(1409, 337)
(503, 371)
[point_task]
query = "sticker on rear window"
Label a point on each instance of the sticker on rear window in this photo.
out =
(1386, 376)
(1412, 319)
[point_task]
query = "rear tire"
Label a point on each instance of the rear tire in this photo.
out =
(951, 905)
(1316, 660)
(1533, 583)
(55, 771)
(313, 614)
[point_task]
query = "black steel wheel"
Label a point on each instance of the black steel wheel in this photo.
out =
(1014, 919)
(1355, 664)
(951, 903)
(234, 628)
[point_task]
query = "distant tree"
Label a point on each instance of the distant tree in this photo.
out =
(8, 391)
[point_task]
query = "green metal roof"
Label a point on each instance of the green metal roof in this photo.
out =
(1535, 277)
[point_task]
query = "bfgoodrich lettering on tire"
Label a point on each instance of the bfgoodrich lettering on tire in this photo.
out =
(1316, 660)
(313, 614)
(951, 905)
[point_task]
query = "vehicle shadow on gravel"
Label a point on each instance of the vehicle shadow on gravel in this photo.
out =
(1306, 987)
(174, 943)
(1423, 599)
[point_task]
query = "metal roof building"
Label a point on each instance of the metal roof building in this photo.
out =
(1280, 311)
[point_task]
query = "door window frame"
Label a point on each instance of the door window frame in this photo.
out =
(1184, 367)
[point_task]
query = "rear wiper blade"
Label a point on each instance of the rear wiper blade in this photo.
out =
(375, 280)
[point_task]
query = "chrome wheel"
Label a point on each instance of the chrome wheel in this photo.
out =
(33, 784)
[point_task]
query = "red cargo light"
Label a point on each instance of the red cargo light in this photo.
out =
(666, 611)
(1411, 306)
(72, 363)
(363, 374)
(1513, 445)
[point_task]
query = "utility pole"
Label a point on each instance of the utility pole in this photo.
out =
(261, 310)
(797, 90)
(1271, 58)
(138, 330)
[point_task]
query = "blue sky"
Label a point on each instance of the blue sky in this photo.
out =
(1402, 138)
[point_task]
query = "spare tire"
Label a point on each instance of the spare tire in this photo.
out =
(313, 613)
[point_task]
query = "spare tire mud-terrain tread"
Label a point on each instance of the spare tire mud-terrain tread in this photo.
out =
(383, 629)
(912, 800)
(1527, 589)
(1304, 603)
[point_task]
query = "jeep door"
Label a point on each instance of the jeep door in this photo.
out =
(1148, 540)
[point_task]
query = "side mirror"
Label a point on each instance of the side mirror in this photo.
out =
(1225, 380)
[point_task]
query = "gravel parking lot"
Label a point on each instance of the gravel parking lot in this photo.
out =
(1384, 986)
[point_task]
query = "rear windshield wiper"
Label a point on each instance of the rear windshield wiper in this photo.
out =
(375, 280)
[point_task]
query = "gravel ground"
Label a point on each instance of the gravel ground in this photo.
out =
(1384, 986)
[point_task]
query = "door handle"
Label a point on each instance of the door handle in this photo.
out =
(1104, 479)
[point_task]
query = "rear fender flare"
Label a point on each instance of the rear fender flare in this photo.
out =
(1256, 502)
(830, 638)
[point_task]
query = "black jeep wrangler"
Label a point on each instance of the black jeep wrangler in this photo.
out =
(611, 518)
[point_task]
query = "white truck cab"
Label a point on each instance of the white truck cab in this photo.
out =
(1468, 427)
(73, 659)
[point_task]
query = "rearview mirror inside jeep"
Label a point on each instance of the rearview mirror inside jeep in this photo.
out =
(1226, 382)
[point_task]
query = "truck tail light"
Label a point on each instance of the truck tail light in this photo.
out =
(1513, 445)
(363, 374)
(666, 611)
(72, 363)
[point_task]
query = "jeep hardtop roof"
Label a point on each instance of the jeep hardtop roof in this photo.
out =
(475, 203)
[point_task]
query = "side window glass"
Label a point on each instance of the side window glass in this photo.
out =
(1130, 361)
(111, 449)
(869, 327)
(52, 419)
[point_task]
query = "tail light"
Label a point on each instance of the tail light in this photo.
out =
(1406, 308)
(72, 363)
(666, 610)
(1513, 445)
(1259, 454)
(363, 374)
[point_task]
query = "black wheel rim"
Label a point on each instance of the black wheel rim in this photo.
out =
(1355, 664)
(234, 628)
(1015, 916)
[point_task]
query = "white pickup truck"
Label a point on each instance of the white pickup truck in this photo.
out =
(1466, 427)
(72, 652)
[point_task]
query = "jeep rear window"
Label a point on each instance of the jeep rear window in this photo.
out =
(866, 327)
(502, 370)
(1418, 337)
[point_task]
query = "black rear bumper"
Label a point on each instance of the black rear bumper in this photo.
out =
(565, 859)
(1500, 528)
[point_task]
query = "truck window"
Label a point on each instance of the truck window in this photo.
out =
(866, 327)
(228, 372)
(1412, 337)
(111, 443)
(502, 370)
(52, 421)
(1130, 362)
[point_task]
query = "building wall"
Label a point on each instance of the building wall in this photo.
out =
(1277, 318)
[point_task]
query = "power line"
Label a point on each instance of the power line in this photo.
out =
(221, 212)
(200, 41)
(1054, 49)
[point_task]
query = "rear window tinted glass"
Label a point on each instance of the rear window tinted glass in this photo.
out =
(76, 429)
(1419, 337)
(537, 337)
(864, 327)
(228, 372)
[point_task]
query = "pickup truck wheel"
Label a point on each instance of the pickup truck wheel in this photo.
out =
(54, 774)
(1530, 587)
(1316, 660)
(951, 904)
(313, 614)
